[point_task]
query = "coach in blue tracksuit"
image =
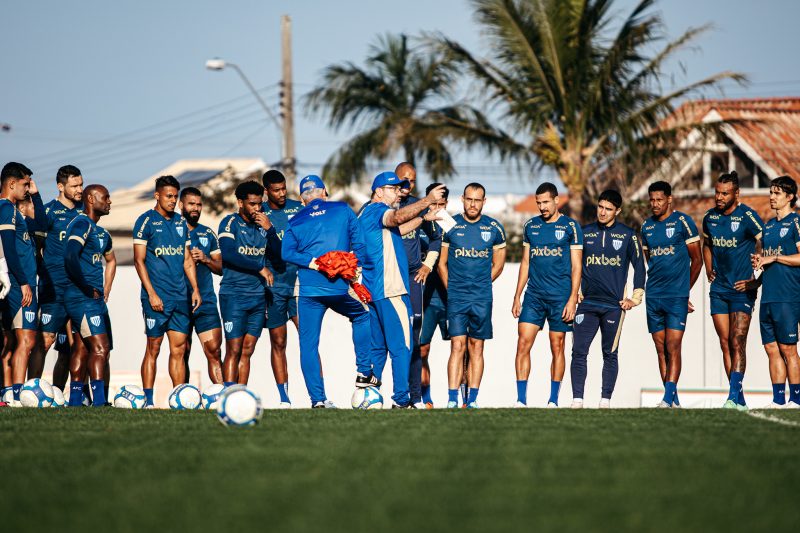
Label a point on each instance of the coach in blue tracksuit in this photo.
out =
(322, 227)
(609, 248)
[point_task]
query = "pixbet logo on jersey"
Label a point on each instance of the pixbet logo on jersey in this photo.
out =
(251, 250)
(544, 251)
(471, 253)
(662, 250)
(168, 250)
(603, 260)
(722, 242)
(768, 252)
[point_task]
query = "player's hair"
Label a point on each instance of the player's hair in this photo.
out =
(271, 177)
(730, 177)
(612, 196)
(194, 191)
(247, 188)
(445, 193)
(475, 185)
(660, 186)
(66, 172)
(167, 181)
(14, 170)
(787, 185)
(547, 187)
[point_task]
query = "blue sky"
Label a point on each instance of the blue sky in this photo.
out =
(75, 73)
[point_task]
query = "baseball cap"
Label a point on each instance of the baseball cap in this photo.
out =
(311, 182)
(389, 178)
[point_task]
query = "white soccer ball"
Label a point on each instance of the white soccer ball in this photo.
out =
(211, 395)
(238, 406)
(58, 398)
(8, 397)
(185, 396)
(36, 392)
(367, 398)
(130, 397)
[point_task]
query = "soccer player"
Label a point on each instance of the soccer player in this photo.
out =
(85, 295)
(282, 307)
(386, 275)
(52, 276)
(473, 256)
(20, 307)
(161, 256)
(731, 232)
(779, 311)
(434, 306)
(207, 258)
(609, 249)
(247, 239)
(672, 248)
(551, 270)
(322, 227)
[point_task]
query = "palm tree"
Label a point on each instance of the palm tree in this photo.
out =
(575, 96)
(398, 102)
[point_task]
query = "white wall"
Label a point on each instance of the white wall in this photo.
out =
(702, 364)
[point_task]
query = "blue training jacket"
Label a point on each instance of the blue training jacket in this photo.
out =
(607, 253)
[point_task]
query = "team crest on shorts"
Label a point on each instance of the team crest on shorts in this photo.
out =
(46, 317)
(734, 225)
(617, 243)
(179, 229)
(228, 327)
(559, 234)
(151, 322)
(579, 318)
(95, 320)
(30, 316)
(486, 235)
(670, 232)
(62, 338)
(203, 241)
(784, 231)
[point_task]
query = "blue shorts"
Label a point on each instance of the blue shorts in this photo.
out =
(721, 305)
(435, 315)
(535, 310)
(205, 318)
(242, 315)
(175, 317)
(52, 316)
(89, 316)
(281, 306)
(666, 313)
(17, 317)
(470, 318)
(778, 321)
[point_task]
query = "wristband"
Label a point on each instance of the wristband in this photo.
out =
(637, 295)
(3, 265)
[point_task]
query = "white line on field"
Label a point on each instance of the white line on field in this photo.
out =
(769, 418)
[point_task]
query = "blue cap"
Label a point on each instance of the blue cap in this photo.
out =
(311, 182)
(389, 178)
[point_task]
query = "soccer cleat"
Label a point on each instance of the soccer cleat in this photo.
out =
(519, 405)
(326, 404)
(284, 405)
(398, 406)
(773, 405)
(577, 403)
(429, 405)
(418, 405)
(740, 407)
(729, 404)
(452, 405)
(663, 405)
(551, 405)
(463, 405)
(791, 405)
(605, 403)
(362, 381)
(472, 405)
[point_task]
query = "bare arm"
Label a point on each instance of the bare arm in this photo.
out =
(442, 268)
(707, 258)
(139, 254)
(522, 280)
(397, 217)
(696, 263)
(191, 274)
(110, 272)
(498, 262)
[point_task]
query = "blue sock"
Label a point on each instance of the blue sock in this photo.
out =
(17, 388)
(98, 393)
(779, 393)
(452, 395)
(75, 393)
(473, 396)
(148, 397)
(464, 392)
(675, 400)
(735, 391)
(228, 383)
(794, 392)
(426, 394)
(283, 391)
(522, 391)
(669, 392)
(555, 387)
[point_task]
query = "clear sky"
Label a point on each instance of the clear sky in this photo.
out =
(77, 73)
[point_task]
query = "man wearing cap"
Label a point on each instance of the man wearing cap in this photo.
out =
(317, 229)
(383, 224)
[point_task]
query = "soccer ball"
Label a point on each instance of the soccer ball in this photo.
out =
(36, 393)
(211, 396)
(367, 398)
(185, 396)
(238, 406)
(58, 398)
(8, 397)
(130, 397)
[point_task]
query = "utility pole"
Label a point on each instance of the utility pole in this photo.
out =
(287, 109)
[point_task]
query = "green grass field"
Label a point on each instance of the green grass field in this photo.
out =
(487, 470)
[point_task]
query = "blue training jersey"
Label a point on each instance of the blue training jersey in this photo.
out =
(470, 247)
(285, 273)
(733, 239)
(781, 283)
(245, 247)
(204, 239)
(608, 251)
(668, 264)
(12, 219)
(385, 268)
(548, 246)
(96, 243)
(166, 240)
(319, 228)
(52, 276)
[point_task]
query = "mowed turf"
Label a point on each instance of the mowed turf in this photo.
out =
(455, 471)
